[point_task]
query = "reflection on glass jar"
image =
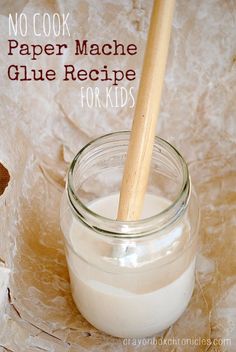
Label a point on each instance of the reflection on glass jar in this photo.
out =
(129, 279)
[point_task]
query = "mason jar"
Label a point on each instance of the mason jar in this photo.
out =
(129, 278)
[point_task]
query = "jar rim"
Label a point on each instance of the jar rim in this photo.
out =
(128, 229)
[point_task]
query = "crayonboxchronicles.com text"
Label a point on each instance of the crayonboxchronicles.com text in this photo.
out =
(176, 341)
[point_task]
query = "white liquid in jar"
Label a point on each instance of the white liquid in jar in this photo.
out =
(125, 304)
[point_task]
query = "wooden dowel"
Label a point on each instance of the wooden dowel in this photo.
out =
(140, 148)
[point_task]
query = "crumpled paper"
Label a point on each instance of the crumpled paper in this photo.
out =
(42, 126)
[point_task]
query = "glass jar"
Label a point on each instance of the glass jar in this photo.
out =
(129, 279)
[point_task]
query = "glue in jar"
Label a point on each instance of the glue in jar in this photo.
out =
(129, 279)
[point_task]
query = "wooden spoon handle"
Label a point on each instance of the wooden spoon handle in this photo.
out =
(140, 149)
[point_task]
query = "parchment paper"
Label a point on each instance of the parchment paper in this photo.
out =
(42, 126)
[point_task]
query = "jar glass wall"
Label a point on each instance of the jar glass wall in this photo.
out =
(129, 279)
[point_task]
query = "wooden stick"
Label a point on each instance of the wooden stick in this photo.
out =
(140, 149)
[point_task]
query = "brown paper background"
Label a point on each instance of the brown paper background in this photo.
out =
(42, 126)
